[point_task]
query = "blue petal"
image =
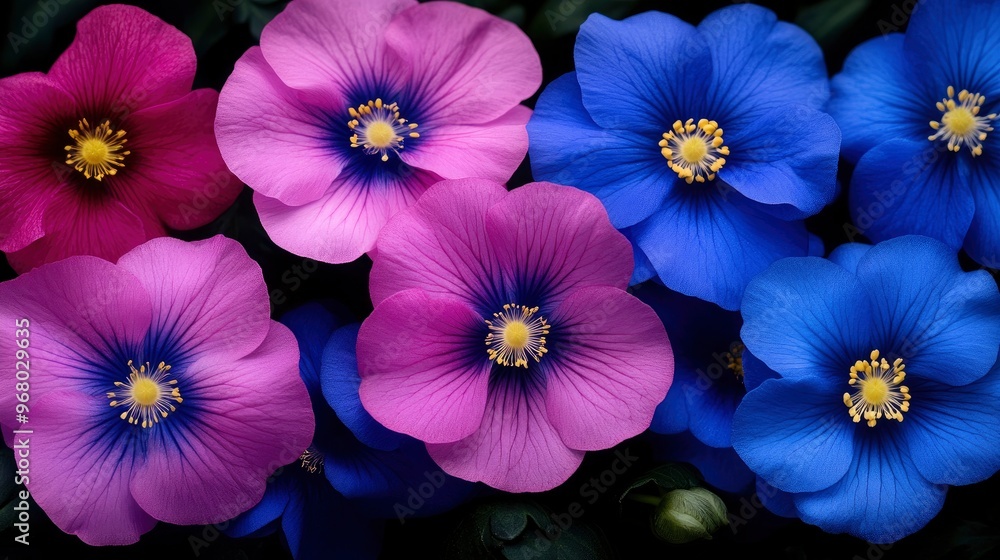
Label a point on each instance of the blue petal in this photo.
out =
(312, 324)
(786, 158)
(951, 432)
(671, 415)
(720, 467)
(318, 520)
(796, 436)
(760, 63)
(259, 519)
(983, 240)
(950, 43)
(905, 187)
(801, 317)
(944, 322)
(642, 73)
(340, 383)
(643, 270)
(882, 498)
(777, 502)
(848, 255)
(622, 168)
(712, 422)
(709, 245)
(755, 371)
(876, 98)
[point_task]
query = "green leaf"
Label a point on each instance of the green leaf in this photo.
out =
(672, 476)
(828, 19)
(523, 530)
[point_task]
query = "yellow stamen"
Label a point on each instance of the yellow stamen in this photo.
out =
(96, 152)
(515, 335)
(311, 460)
(378, 128)
(961, 124)
(147, 394)
(694, 151)
(878, 391)
(734, 359)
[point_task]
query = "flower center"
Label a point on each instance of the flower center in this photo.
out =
(378, 128)
(311, 460)
(515, 335)
(878, 390)
(147, 394)
(694, 151)
(961, 123)
(97, 151)
(734, 360)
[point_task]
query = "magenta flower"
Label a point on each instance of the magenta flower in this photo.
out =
(111, 147)
(502, 334)
(159, 387)
(349, 110)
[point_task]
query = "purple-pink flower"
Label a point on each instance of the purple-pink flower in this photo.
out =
(503, 336)
(159, 388)
(349, 110)
(110, 147)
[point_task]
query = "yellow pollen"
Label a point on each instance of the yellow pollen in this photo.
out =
(378, 128)
(694, 151)
(879, 392)
(147, 394)
(961, 124)
(734, 359)
(516, 335)
(145, 391)
(96, 152)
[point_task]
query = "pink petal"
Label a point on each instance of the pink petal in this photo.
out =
(489, 151)
(516, 449)
(30, 173)
(175, 170)
(78, 475)
(440, 244)
(79, 224)
(338, 46)
(343, 224)
(256, 110)
(123, 59)
(208, 294)
(609, 366)
(423, 366)
(556, 240)
(253, 416)
(470, 66)
(72, 313)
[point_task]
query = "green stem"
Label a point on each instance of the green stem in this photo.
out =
(644, 499)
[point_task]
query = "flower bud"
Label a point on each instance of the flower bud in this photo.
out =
(687, 515)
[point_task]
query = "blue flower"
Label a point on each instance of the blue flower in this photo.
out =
(917, 113)
(356, 472)
(707, 387)
(706, 144)
(888, 387)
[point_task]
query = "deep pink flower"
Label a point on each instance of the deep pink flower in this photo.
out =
(349, 110)
(110, 147)
(503, 336)
(159, 387)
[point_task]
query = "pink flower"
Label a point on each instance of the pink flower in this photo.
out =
(503, 336)
(159, 387)
(349, 110)
(111, 147)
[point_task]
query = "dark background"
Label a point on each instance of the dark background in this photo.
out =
(223, 29)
